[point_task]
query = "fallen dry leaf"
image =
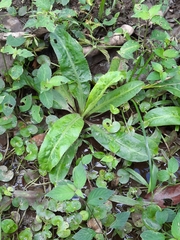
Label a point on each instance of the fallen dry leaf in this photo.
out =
(38, 139)
(165, 196)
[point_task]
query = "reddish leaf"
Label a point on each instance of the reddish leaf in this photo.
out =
(165, 196)
(38, 139)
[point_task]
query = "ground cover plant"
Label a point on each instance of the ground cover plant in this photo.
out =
(84, 155)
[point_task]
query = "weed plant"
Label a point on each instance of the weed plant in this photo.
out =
(50, 111)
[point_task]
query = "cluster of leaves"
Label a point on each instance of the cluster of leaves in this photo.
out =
(57, 108)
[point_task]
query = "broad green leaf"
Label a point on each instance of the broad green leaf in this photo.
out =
(124, 200)
(175, 228)
(44, 5)
(99, 89)
(60, 171)
(121, 219)
(84, 233)
(59, 102)
(157, 67)
(162, 116)
(24, 53)
(149, 235)
(162, 22)
(27, 101)
(65, 191)
(63, 90)
(130, 146)
(15, 42)
(8, 104)
(36, 113)
(127, 50)
(54, 82)
(172, 85)
(46, 98)
(153, 76)
(173, 165)
(154, 10)
(25, 234)
(171, 53)
(9, 226)
(73, 64)
(60, 137)
(117, 97)
(98, 196)
(79, 176)
(5, 3)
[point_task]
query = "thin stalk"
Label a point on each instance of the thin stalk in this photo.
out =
(101, 9)
(146, 145)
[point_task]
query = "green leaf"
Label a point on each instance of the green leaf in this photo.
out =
(98, 196)
(162, 116)
(8, 104)
(121, 219)
(67, 96)
(5, 174)
(153, 76)
(44, 5)
(157, 67)
(149, 235)
(123, 176)
(117, 97)
(84, 233)
(110, 126)
(54, 82)
(32, 151)
(15, 42)
(5, 3)
(128, 49)
(63, 2)
(173, 165)
(99, 89)
(9, 226)
(154, 10)
(47, 98)
(59, 101)
(137, 177)
(79, 176)
(171, 53)
(130, 146)
(16, 71)
(175, 228)
(25, 53)
(123, 200)
(60, 171)
(73, 64)
(60, 137)
(27, 101)
(35, 111)
(65, 191)
(162, 22)
(25, 234)
(163, 175)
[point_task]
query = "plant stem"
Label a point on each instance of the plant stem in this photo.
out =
(101, 9)
(146, 145)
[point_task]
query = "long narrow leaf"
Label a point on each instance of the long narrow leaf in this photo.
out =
(60, 137)
(73, 64)
(130, 146)
(99, 89)
(162, 116)
(60, 171)
(117, 97)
